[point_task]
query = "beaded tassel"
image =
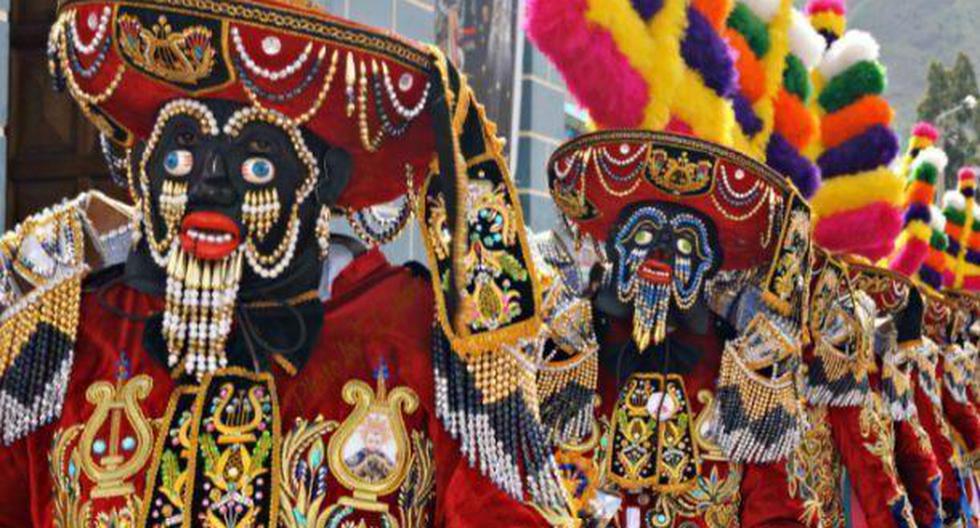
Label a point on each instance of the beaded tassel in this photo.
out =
(487, 405)
(199, 310)
(651, 306)
(173, 202)
(260, 211)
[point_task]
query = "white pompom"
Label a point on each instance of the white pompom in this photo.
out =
(933, 156)
(854, 47)
(954, 200)
(764, 9)
(804, 41)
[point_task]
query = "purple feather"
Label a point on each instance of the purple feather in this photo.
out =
(745, 115)
(647, 8)
(876, 147)
(930, 276)
(781, 155)
(917, 211)
(708, 54)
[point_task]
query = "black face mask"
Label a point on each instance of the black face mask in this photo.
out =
(252, 188)
(675, 236)
(218, 174)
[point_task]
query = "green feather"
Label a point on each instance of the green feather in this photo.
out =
(864, 78)
(751, 27)
(796, 79)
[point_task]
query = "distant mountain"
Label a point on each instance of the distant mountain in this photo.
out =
(912, 33)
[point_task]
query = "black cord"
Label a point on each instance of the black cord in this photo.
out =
(249, 345)
(100, 296)
(248, 326)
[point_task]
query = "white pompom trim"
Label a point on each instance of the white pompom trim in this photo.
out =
(764, 9)
(936, 219)
(954, 200)
(854, 47)
(804, 41)
(933, 156)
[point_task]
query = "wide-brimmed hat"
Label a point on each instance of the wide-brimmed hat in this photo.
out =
(761, 219)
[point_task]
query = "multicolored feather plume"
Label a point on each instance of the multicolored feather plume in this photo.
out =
(795, 123)
(922, 244)
(653, 64)
(758, 31)
(963, 229)
(856, 146)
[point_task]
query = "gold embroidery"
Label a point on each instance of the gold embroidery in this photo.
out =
(109, 463)
(652, 438)
(184, 56)
(119, 459)
(369, 453)
(675, 173)
(417, 490)
(815, 472)
(169, 478)
(873, 421)
(303, 474)
(237, 450)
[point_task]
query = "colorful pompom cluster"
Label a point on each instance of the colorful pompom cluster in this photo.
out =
(795, 128)
(758, 33)
(923, 242)
(857, 146)
(963, 229)
(828, 17)
(924, 135)
(652, 64)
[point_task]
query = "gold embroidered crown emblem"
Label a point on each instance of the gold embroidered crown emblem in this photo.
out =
(678, 174)
(186, 56)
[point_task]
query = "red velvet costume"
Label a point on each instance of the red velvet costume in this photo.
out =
(853, 428)
(230, 397)
(937, 322)
(356, 340)
(918, 468)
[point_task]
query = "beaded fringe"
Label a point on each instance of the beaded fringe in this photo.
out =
(497, 426)
(567, 395)
(757, 421)
(832, 380)
(37, 352)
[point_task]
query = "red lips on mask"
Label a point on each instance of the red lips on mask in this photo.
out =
(209, 235)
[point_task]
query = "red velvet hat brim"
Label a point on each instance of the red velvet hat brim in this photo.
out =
(274, 36)
(593, 178)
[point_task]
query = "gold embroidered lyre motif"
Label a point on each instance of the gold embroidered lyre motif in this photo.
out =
(112, 462)
(185, 56)
(370, 452)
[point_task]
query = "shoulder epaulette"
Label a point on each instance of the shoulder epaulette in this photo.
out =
(43, 262)
(568, 376)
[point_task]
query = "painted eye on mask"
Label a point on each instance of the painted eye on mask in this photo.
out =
(643, 238)
(179, 163)
(685, 247)
(258, 171)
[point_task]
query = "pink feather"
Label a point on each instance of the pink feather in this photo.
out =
(880, 223)
(910, 257)
(598, 74)
(926, 130)
(820, 6)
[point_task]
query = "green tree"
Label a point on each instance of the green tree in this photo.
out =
(945, 106)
